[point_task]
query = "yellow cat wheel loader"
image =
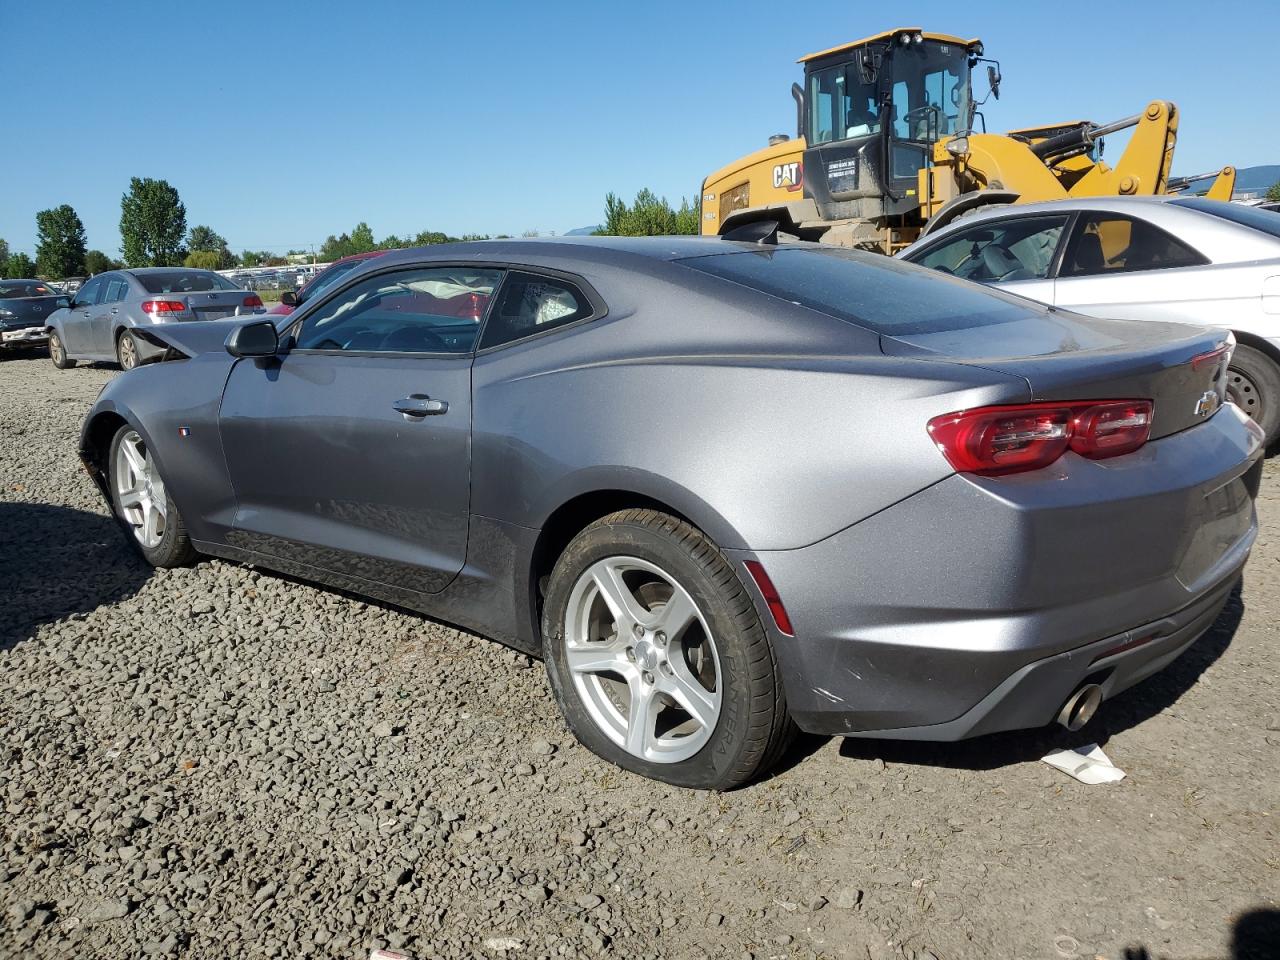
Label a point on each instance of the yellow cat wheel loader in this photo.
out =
(886, 149)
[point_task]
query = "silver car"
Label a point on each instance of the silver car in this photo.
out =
(1139, 258)
(110, 314)
(721, 488)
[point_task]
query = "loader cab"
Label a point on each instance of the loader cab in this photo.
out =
(873, 111)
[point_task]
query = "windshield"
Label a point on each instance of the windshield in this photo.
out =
(16, 289)
(327, 278)
(930, 90)
(1266, 221)
(183, 281)
(883, 295)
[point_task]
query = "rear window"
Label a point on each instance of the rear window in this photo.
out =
(1264, 221)
(183, 281)
(11, 289)
(884, 295)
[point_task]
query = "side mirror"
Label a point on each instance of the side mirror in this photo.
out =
(289, 298)
(993, 78)
(257, 339)
(64, 301)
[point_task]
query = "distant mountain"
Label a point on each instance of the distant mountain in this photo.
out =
(1249, 180)
(582, 231)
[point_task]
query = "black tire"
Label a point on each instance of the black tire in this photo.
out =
(1253, 384)
(753, 727)
(175, 548)
(58, 353)
(127, 351)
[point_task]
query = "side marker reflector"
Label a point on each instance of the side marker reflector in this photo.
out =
(771, 598)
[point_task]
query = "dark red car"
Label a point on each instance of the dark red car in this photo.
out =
(322, 281)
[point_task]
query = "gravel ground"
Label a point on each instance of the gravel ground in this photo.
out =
(216, 762)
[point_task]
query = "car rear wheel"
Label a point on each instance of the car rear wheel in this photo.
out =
(1253, 385)
(58, 353)
(127, 351)
(143, 505)
(657, 657)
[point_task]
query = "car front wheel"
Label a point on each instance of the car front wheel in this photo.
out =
(1253, 384)
(657, 657)
(143, 505)
(58, 353)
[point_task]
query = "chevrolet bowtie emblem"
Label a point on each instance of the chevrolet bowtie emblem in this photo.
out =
(1207, 403)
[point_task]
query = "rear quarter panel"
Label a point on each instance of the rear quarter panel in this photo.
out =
(769, 430)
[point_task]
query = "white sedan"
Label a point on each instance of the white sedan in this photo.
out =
(1142, 258)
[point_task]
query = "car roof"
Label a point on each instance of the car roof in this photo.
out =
(589, 249)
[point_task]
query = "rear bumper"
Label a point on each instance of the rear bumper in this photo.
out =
(980, 604)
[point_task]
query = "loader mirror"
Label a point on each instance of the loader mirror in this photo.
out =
(993, 78)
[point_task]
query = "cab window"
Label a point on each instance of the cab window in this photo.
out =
(1104, 243)
(419, 310)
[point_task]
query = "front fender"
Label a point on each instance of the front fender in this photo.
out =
(174, 407)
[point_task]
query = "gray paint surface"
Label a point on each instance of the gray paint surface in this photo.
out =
(786, 434)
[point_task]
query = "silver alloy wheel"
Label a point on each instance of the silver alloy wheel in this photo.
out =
(55, 348)
(643, 660)
(128, 352)
(140, 491)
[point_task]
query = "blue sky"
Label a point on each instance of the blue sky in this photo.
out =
(280, 123)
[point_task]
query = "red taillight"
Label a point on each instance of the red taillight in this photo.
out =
(997, 440)
(163, 306)
(771, 598)
(1110, 429)
(253, 300)
(1213, 357)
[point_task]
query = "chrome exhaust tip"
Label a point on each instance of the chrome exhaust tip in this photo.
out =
(1080, 707)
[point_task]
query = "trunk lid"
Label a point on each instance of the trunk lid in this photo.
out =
(1065, 356)
(27, 311)
(207, 305)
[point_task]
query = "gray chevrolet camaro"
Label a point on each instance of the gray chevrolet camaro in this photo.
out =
(723, 489)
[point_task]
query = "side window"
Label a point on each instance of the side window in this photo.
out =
(117, 290)
(419, 310)
(529, 304)
(1112, 243)
(1005, 250)
(87, 295)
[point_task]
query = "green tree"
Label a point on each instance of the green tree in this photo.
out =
(153, 222)
(1273, 191)
(362, 239)
(649, 216)
(427, 238)
(4, 252)
(95, 261)
(18, 265)
(60, 245)
(256, 258)
(203, 239)
(202, 260)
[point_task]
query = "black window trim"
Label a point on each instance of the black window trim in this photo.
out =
(1082, 215)
(1059, 252)
(295, 320)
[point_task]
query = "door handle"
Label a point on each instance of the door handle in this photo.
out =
(115, 309)
(418, 405)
